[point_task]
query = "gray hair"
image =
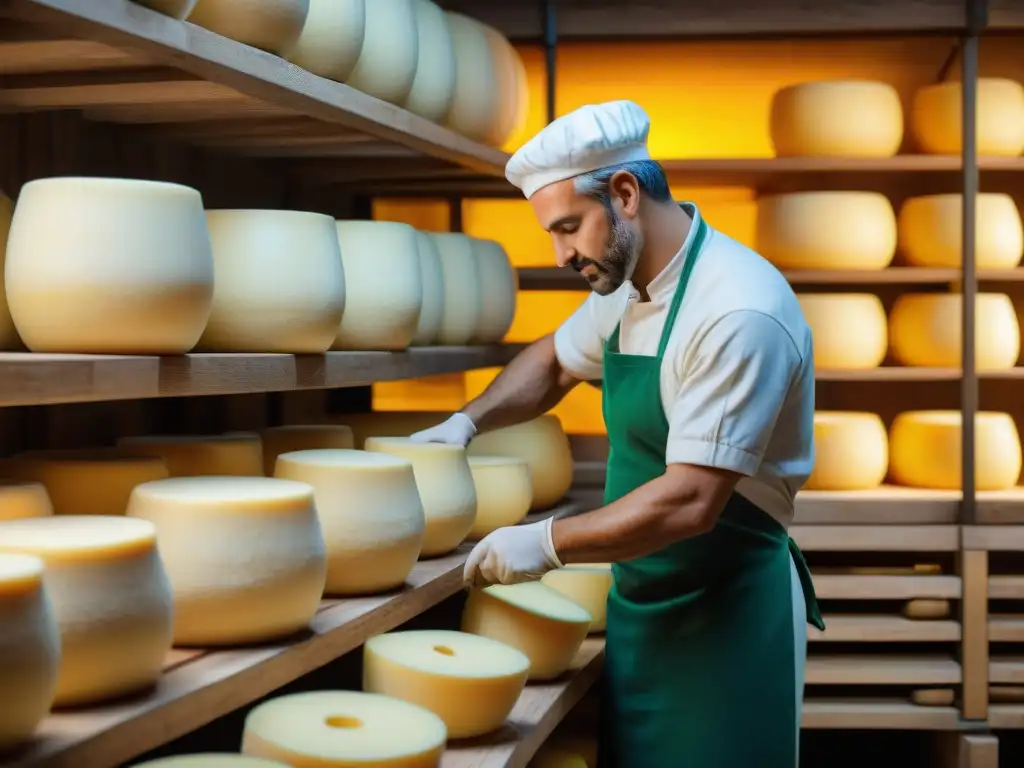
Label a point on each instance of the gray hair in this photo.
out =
(648, 173)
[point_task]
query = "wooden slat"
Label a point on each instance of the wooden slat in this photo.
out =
(881, 670)
(1006, 670)
(974, 652)
(855, 587)
(1006, 587)
(1006, 628)
(1006, 716)
(994, 538)
(862, 628)
(886, 714)
(883, 538)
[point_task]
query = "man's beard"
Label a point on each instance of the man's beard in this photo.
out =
(621, 253)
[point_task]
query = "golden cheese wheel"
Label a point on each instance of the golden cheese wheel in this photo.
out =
(933, 697)
(270, 25)
(931, 230)
(848, 330)
(851, 451)
(935, 118)
(926, 608)
(587, 585)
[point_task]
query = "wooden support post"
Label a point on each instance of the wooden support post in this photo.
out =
(973, 568)
(968, 750)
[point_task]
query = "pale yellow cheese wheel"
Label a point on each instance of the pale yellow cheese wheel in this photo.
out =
(541, 622)
(543, 445)
(477, 90)
(504, 492)
(270, 25)
(432, 276)
(513, 90)
(826, 230)
(445, 485)
(849, 330)
(176, 9)
(587, 585)
(384, 289)
(331, 38)
(210, 760)
(111, 597)
(463, 300)
(370, 514)
(931, 230)
(935, 118)
(499, 286)
(23, 498)
(851, 451)
(109, 266)
(302, 437)
(9, 339)
(924, 329)
(389, 423)
(470, 682)
(924, 450)
(433, 87)
(386, 67)
(344, 729)
(279, 282)
(933, 697)
(245, 555)
(239, 454)
(926, 608)
(29, 648)
(837, 118)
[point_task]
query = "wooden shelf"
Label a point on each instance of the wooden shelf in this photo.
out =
(829, 586)
(876, 538)
(864, 628)
(1007, 628)
(993, 538)
(881, 670)
(872, 714)
(1006, 670)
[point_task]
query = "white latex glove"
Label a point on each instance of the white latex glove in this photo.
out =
(458, 429)
(512, 555)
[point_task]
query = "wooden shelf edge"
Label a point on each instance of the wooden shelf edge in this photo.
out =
(882, 714)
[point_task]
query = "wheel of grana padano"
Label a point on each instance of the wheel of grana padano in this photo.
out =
(302, 437)
(389, 423)
(477, 96)
(463, 301)
(386, 68)
(433, 87)
(270, 25)
(432, 276)
(588, 585)
(9, 339)
(849, 330)
(239, 454)
(176, 9)
(935, 117)
(331, 38)
(513, 104)
(851, 451)
(23, 498)
(931, 231)
(499, 285)
(504, 492)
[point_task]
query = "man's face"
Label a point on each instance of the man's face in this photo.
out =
(596, 241)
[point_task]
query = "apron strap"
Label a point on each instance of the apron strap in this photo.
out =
(691, 256)
(813, 611)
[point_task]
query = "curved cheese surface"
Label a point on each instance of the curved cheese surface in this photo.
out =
(210, 760)
(331, 38)
(23, 498)
(433, 86)
(504, 492)
(588, 585)
(370, 513)
(477, 93)
(513, 102)
(245, 555)
(239, 454)
(110, 595)
(432, 276)
(270, 25)
(499, 284)
(128, 271)
(849, 330)
(935, 117)
(470, 682)
(931, 231)
(386, 67)
(302, 437)
(463, 302)
(9, 339)
(851, 451)
(331, 729)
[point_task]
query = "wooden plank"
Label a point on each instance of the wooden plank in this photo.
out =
(882, 538)
(1008, 670)
(994, 538)
(969, 750)
(864, 628)
(1007, 628)
(1006, 716)
(974, 651)
(881, 670)
(1006, 587)
(855, 587)
(885, 714)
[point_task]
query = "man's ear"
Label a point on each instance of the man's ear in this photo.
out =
(624, 192)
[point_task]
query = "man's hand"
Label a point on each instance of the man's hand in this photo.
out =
(512, 555)
(458, 429)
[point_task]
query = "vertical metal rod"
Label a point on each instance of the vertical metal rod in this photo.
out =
(455, 214)
(550, 55)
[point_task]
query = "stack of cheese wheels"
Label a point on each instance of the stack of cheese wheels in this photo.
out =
(463, 301)
(476, 100)
(587, 584)
(85, 482)
(128, 271)
(931, 231)
(390, 423)
(861, 230)
(210, 760)
(111, 598)
(499, 284)
(270, 25)
(851, 451)
(384, 290)
(935, 118)
(433, 87)
(279, 283)
(445, 485)
(386, 67)
(504, 492)
(244, 555)
(29, 648)
(23, 498)
(544, 446)
(470, 682)
(302, 437)
(239, 454)
(344, 728)
(542, 623)
(925, 450)
(370, 514)
(924, 329)
(837, 118)
(331, 38)
(849, 330)
(176, 9)
(432, 277)
(9, 339)
(513, 89)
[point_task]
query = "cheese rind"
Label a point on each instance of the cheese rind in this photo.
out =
(851, 451)
(23, 498)
(433, 86)
(210, 760)
(463, 301)
(432, 308)
(931, 231)
(386, 67)
(849, 331)
(245, 555)
(238, 455)
(504, 492)
(370, 514)
(477, 94)
(302, 437)
(331, 38)
(586, 585)
(9, 339)
(270, 25)
(499, 284)
(513, 100)
(935, 117)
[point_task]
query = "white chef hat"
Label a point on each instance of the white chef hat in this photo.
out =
(592, 137)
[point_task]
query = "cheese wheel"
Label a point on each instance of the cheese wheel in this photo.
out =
(586, 585)
(383, 285)
(924, 450)
(279, 283)
(445, 485)
(579, 751)
(389, 423)
(931, 230)
(543, 445)
(129, 269)
(23, 498)
(433, 87)
(386, 67)
(176, 9)
(210, 760)
(541, 622)
(836, 118)
(504, 492)
(924, 608)
(9, 339)
(924, 329)
(935, 118)
(244, 555)
(933, 697)
(851, 452)
(29, 648)
(848, 330)
(432, 277)
(239, 454)
(85, 482)
(463, 301)
(270, 25)
(302, 437)
(826, 230)
(370, 514)
(513, 95)
(1006, 693)
(499, 286)
(470, 682)
(331, 38)
(110, 595)
(477, 92)
(344, 729)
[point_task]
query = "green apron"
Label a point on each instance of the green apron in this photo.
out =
(699, 658)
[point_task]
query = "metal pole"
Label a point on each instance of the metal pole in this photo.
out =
(550, 22)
